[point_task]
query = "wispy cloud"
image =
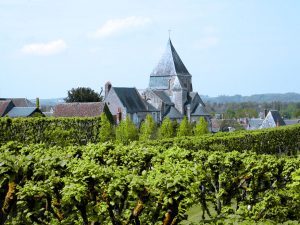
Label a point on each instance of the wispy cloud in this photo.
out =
(115, 26)
(207, 42)
(44, 49)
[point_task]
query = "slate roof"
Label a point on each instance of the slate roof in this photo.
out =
(173, 113)
(164, 97)
(170, 63)
(151, 108)
(79, 109)
(199, 111)
(272, 119)
(20, 102)
(22, 111)
(131, 99)
(254, 123)
(5, 107)
(291, 122)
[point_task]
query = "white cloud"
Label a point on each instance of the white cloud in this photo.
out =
(114, 26)
(49, 48)
(207, 42)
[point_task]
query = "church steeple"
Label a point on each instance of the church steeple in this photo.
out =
(168, 68)
(170, 63)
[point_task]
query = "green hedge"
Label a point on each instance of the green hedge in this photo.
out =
(268, 141)
(53, 131)
(79, 131)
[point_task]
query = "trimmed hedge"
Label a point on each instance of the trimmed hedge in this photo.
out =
(53, 131)
(285, 139)
(79, 131)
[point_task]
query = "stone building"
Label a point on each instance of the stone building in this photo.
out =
(171, 90)
(169, 94)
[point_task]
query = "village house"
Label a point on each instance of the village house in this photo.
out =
(80, 109)
(18, 107)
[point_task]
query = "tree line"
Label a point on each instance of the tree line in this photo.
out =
(232, 110)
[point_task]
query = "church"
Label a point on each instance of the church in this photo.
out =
(169, 94)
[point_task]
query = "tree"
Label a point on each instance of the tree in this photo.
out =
(148, 129)
(83, 94)
(166, 129)
(184, 128)
(201, 127)
(126, 131)
(106, 129)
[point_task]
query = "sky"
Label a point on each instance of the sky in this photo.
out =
(230, 47)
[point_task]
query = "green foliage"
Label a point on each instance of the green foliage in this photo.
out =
(166, 129)
(138, 184)
(201, 127)
(83, 94)
(108, 114)
(106, 129)
(51, 131)
(148, 129)
(126, 131)
(184, 128)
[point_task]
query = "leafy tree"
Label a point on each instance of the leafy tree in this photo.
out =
(166, 129)
(83, 94)
(201, 127)
(106, 129)
(126, 131)
(148, 129)
(184, 128)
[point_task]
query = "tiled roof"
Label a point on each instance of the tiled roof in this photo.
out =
(173, 113)
(20, 102)
(79, 109)
(170, 63)
(22, 111)
(131, 99)
(5, 107)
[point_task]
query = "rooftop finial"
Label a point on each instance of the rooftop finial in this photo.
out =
(169, 33)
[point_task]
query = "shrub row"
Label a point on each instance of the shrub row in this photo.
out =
(266, 141)
(53, 131)
(79, 131)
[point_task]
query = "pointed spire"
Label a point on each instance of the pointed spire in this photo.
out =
(170, 63)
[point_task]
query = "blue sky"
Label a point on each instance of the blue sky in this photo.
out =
(230, 47)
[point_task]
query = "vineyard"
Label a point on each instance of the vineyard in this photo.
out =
(56, 171)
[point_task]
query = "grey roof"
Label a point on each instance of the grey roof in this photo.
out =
(272, 119)
(170, 63)
(163, 96)
(173, 113)
(5, 107)
(291, 122)
(130, 99)
(193, 95)
(80, 109)
(199, 111)
(254, 123)
(22, 111)
(151, 108)
(20, 102)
